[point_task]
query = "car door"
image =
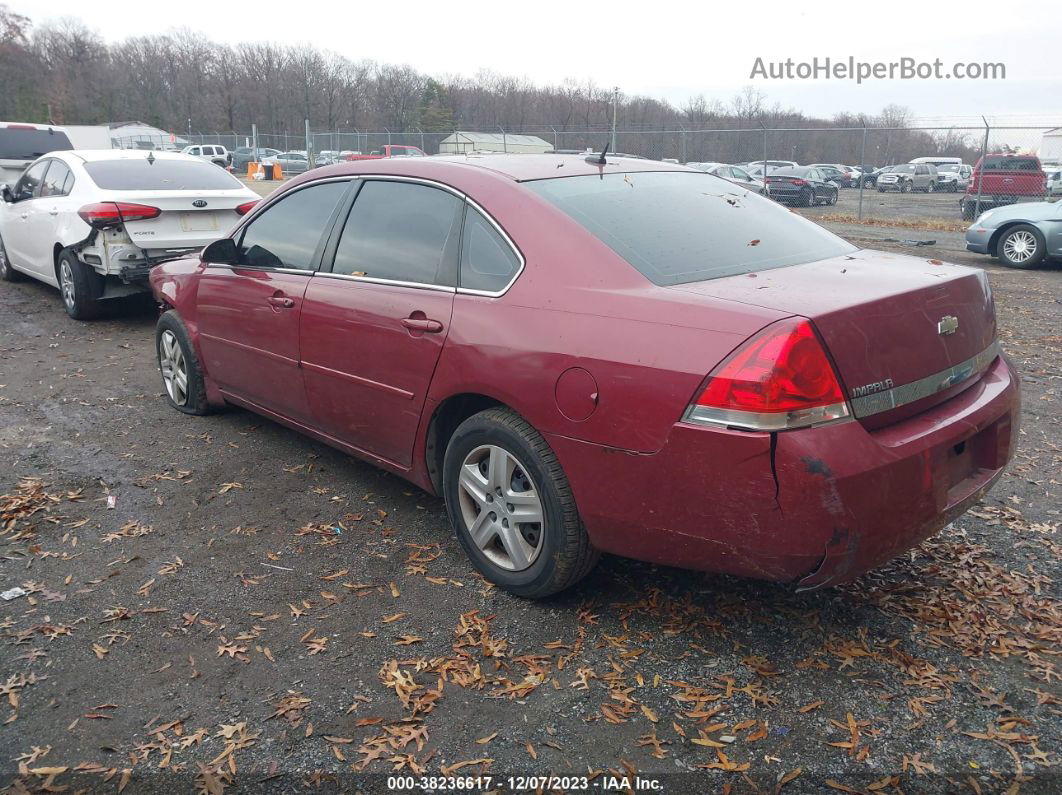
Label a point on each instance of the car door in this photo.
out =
(17, 230)
(375, 321)
(45, 212)
(249, 312)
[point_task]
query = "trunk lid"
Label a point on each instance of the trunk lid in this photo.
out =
(923, 325)
(181, 224)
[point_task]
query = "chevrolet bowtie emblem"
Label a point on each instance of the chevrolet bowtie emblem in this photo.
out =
(947, 325)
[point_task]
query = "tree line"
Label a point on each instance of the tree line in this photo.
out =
(63, 72)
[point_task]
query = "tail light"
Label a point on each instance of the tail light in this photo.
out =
(246, 207)
(779, 379)
(798, 182)
(106, 215)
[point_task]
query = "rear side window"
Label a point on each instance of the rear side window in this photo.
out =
(399, 231)
(29, 144)
(686, 226)
(488, 262)
(57, 181)
(286, 234)
(1011, 164)
(162, 174)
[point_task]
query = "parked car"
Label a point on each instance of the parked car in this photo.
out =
(735, 174)
(841, 175)
(1053, 177)
(1001, 179)
(213, 153)
(770, 164)
(94, 222)
(952, 177)
(388, 151)
(871, 174)
(290, 162)
(21, 144)
(803, 186)
(245, 155)
(1020, 235)
(908, 177)
(832, 174)
(696, 403)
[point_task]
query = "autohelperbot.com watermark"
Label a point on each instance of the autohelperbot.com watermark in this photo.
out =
(850, 68)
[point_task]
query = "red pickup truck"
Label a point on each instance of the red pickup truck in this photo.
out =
(389, 151)
(1008, 179)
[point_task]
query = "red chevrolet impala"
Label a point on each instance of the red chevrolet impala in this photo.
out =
(620, 356)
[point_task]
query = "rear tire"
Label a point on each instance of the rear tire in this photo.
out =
(7, 273)
(182, 374)
(832, 198)
(498, 454)
(806, 198)
(1022, 246)
(80, 286)
(969, 210)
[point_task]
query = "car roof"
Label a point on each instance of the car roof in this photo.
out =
(517, 167)
(95, 155)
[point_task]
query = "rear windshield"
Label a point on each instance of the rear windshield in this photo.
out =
(1011, 164)
(688, 226)
(163, 174)
(20, 144)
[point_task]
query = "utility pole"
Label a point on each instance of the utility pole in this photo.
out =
(615, 106)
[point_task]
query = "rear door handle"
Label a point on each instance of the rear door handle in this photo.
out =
(282, 301)
(426, 325)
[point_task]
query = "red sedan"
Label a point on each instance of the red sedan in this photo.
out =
(625, 357)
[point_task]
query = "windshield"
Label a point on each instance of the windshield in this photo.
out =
(160, 175)
(17, 143)
(903, 170)
(686, 226)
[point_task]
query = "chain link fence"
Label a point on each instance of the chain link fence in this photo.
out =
(881, 175)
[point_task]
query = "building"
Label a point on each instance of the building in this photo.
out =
(1051, 146)
(468, 142)
(130, 134)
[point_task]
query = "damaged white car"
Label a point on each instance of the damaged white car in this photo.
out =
(93, 223)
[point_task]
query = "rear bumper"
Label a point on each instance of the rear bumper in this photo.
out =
(837, 501)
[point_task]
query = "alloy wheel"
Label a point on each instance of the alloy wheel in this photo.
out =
(1019, 246)
(3, 261)
(173, 367)
(501, 508)
(66, 283)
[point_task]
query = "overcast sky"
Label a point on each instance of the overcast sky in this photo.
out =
(668, 50)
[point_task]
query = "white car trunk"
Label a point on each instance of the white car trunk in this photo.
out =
(182, 224)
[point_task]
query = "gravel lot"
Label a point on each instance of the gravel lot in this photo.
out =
(259, 612)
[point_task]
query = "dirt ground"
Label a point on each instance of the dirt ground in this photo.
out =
(220, 604)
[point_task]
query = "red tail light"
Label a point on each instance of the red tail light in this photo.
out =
(798, 181)
(779, 379)
(246, 207)
(105, 215)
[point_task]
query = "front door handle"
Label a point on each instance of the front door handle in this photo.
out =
(422, 324)
(282, 301)
(24, 216)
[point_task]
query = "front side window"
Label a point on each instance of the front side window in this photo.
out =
(56, 180)
(679, 227)
(488, 262)
(287, 234)
(29, 183)
(399, 231)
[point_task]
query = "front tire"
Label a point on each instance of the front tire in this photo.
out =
(80, 286)
(7, 273)
(905, 187)
(512, 507)
(182, 374)
(1022, 246)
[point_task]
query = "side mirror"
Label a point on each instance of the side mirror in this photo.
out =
(222, 251)
(5, 193)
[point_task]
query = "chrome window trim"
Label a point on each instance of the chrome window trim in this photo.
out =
(441, 288)
(258, 268)
(888, 399)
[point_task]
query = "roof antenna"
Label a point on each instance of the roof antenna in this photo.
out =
(600, 159)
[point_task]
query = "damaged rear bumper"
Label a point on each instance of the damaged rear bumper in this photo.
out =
(825, 505)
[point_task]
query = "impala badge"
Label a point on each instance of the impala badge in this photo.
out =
(948, 324)
(199, 203)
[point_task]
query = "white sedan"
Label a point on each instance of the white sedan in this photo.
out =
(93, 223)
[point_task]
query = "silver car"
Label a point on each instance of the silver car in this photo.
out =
(735, 174)
(1019, 235)
(909, 177)
(952, 177)
(290, 162)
